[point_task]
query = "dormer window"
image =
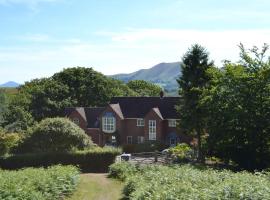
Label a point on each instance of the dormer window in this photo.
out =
(172, 122)
(76, 121)
(108, 123)
(140, 122)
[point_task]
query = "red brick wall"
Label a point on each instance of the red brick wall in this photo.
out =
(130, 128)
(153, 116)
(95, 135)
(82, 124)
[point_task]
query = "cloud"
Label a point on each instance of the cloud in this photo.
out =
(125, 51)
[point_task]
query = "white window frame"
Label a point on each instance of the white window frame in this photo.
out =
(108, 124)
(140, 122)
(129, 137)
(172, 122)
(152, 129)
(76, 121)
(140, 139)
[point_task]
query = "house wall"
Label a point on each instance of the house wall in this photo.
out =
(153, 116)
(83, 123)
(130, 128)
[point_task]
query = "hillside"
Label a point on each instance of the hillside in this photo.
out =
(164, 74)
(10, 84)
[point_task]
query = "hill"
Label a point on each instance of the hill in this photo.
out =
(163, 74)
(10, 84)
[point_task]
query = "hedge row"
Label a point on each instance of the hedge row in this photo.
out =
(88, 161)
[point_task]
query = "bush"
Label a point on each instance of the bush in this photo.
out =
(42, 184)
(181, 152)
(122, 170)
(188, 182)
(55, 135)
(8, 141)
(148, 146)
(95, 160)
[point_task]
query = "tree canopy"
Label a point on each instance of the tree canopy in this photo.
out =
(195, 64)
(144, 88)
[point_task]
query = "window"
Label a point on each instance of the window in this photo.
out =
(76, 121)
(108, 124)
(152, 129)
(140, 139)
(172, 123)
(140, 122)
(129, 139)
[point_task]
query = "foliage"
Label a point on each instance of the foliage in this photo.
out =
(144, 88)
(147, 146)
(191, 83)
(42, 184)
(8, 141)
(17, 117)
(122, 170)
(3, 106)
(238, 111)
(93, 160)
(188, 182)
(181, 152)
(54, 135)
(47, 97)
(90, 88)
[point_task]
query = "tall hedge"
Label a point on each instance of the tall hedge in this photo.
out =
(97, 160)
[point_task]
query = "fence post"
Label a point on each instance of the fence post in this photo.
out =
(156, 156)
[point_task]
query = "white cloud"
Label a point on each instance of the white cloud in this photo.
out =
(126, 51)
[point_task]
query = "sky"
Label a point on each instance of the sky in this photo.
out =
(41, 37)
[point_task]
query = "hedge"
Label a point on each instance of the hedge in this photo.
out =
(97, 160)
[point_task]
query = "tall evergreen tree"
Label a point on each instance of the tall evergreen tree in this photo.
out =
(195, 63)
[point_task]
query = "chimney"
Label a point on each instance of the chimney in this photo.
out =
(161, 94)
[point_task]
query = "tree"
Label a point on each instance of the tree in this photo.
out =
(195, 64)
(55, 135)
(90, 88)
(3, 106)
(144, 88)
(238, 110)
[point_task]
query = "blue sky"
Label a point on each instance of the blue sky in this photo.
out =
(41, 37)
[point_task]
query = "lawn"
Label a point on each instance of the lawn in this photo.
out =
(98, 187)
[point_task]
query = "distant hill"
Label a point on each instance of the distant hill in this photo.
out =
(163, 74)
(10, 84)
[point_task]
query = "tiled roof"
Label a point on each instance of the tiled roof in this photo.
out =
(89, 114)
(138, 107)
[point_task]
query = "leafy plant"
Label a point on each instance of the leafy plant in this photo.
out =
(188, 182)
(42, 184)
(181, 152)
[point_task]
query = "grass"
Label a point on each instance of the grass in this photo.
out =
(98, 187)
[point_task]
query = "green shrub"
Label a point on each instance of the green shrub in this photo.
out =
(8, 141)
(181, 152)
(189, 182)
(95, 160)
(55, 134)
(122, 170)
(38, 184)
(148, 146)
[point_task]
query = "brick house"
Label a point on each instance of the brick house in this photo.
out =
(131, 120)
